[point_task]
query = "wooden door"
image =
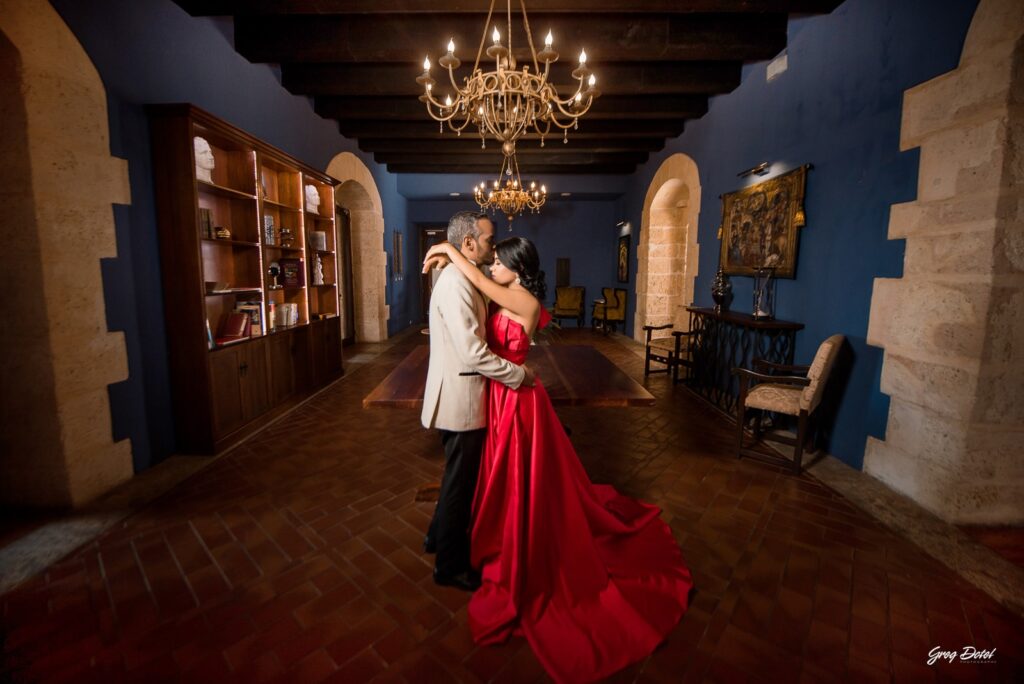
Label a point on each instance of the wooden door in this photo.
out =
(429, 236)
(226, 389)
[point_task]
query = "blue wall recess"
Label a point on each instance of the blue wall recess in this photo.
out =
(837, 107)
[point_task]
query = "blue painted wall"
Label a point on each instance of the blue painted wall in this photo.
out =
(838, 107)
(151, 51)
(582, 230)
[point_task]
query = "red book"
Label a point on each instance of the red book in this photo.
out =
(234, 328)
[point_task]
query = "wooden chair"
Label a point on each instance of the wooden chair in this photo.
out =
(673, 352)
(609, 314)
(797, 394)
(569, 304)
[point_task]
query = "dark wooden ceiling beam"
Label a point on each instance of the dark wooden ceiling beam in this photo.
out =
(607, 37)
(486, 170)
(409, 108)
(264, 7)
(551, 158)
(525, 148)
(641, 78)
(372, 128)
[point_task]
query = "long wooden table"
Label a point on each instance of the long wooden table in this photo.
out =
(574, 375)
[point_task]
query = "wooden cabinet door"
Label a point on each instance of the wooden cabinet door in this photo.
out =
(228, 409)
(281, 367)
(255, 380)
(317, 351)
(300, 359)
(332, 347)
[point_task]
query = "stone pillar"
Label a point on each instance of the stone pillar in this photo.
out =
(953, 326)
(57, 184)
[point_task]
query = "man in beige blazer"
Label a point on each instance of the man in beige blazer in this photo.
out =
(455, 398)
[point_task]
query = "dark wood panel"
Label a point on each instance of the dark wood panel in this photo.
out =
(607, 37)
(525, 148)
(406, 108)
(554, 157)
(534, 7)
(641, 78)
(490, 169)
(573, 375)
(282, 370)
(587, 129)
(255, 380)
(226, 390)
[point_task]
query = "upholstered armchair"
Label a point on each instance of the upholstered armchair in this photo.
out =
(612, 311)
(569, 304)
(798, 394)
(673, 352)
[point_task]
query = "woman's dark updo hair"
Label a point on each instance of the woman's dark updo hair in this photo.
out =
(519, 255)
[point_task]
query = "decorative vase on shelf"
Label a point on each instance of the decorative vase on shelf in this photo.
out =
(721, 291)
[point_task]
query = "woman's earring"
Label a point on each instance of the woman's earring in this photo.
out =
(517, 280)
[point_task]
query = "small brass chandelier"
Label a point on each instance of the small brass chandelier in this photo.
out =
(505, 103)
(512, 197)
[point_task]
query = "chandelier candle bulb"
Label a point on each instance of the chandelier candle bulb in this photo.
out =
(451, 46)
(496, 36)
(583, 56)
(549, 40)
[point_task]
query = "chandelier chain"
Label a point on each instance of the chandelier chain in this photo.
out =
(529, 36)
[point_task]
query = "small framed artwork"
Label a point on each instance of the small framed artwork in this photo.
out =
(622, 259)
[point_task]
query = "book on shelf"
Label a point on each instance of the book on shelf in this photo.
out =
(234, 328)
(255, 311)
(210, 344)
(205, 224)
(292, 272)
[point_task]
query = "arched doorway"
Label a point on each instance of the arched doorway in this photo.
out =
(667, 254)
(358, 195)
(56, 356)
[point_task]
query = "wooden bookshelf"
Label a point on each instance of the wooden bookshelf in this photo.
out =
(218, 240)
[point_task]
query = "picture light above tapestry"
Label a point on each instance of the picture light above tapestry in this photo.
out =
(759, 225)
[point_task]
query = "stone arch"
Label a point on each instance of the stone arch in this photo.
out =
(667, 254)
(951, 327)
(358, 194)
(58, 181)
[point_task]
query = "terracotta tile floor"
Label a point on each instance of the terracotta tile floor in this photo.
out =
(297, 558)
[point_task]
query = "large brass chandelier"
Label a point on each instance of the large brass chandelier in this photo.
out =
(506, 103)
(510, 197)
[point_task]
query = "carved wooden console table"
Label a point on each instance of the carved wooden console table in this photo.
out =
(726, 340)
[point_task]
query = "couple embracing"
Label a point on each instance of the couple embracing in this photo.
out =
(593, 579)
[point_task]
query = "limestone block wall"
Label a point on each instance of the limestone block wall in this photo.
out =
(953, 325)
(358, 193)
(667, 253)
(57, 184)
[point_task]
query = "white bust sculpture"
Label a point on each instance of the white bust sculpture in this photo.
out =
(312, 199)
(204, 159)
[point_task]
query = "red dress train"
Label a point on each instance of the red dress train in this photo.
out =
(593, 579)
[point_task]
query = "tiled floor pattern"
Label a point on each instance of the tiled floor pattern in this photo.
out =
(296, 558)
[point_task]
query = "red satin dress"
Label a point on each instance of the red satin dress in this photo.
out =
(593, 579)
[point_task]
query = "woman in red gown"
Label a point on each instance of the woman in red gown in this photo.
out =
(593, 579)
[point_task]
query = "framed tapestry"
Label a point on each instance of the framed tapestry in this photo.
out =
(759, 225)
(622, 259)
